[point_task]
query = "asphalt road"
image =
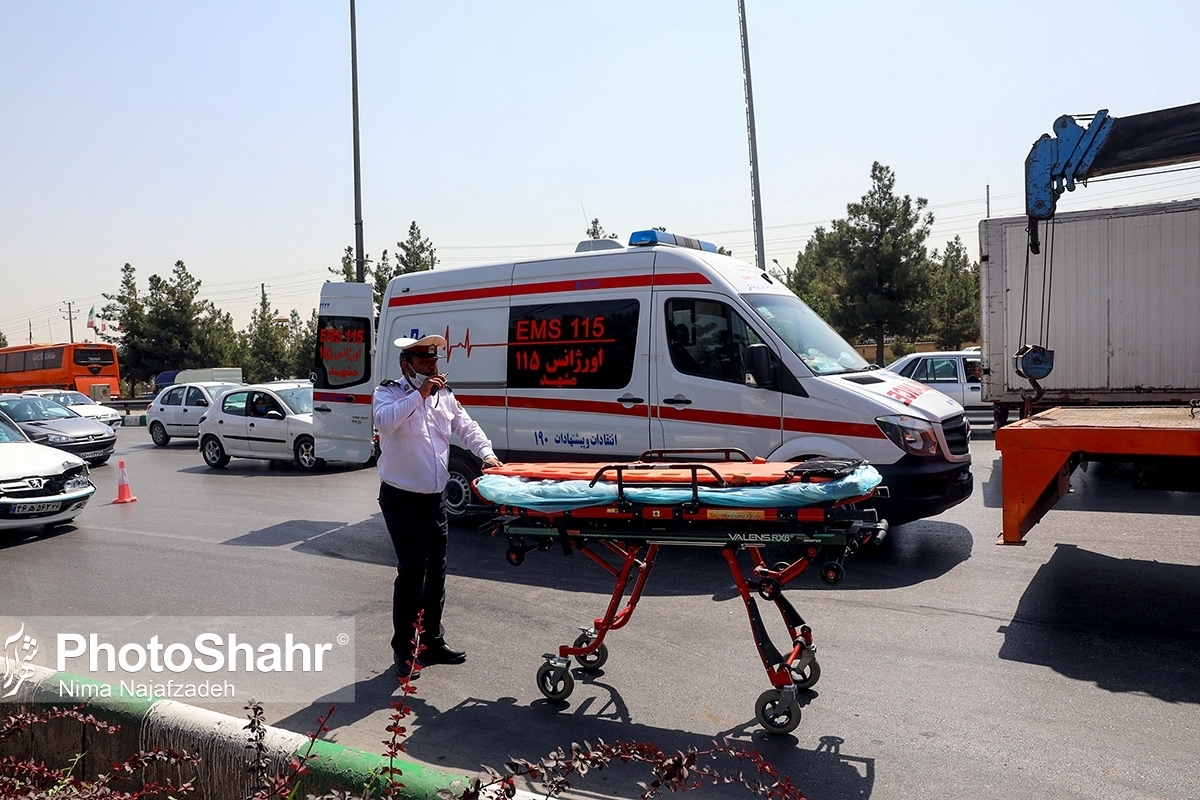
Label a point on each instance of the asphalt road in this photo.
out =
(952, 667)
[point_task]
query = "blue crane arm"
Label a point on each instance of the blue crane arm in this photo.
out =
(1107, 145)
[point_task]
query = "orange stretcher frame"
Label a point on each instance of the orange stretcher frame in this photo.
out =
(1039, 454)
(633, 533)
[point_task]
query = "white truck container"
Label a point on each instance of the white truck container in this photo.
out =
(602, 355)
(1123, 306)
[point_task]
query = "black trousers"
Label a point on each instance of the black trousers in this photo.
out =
(417, 524)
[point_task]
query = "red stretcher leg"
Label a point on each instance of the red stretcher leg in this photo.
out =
(589, 648)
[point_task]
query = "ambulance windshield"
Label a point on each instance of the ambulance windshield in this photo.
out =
(810, 337)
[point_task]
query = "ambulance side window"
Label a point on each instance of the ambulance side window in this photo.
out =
(708, 339)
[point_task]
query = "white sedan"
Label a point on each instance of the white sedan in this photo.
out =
(39, 486)
(82, 405)
(270, 421)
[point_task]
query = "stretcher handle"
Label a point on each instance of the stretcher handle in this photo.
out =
(695, 484)
(668, 455)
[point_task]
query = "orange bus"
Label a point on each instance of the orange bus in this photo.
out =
(77, 366)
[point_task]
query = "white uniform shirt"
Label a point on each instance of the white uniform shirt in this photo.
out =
(414, 436)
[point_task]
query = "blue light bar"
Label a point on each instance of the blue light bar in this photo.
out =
(653, 237)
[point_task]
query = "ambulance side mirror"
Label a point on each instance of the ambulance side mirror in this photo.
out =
(758, 367)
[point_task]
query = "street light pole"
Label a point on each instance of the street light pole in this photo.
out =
(760, 253)
(360, 264)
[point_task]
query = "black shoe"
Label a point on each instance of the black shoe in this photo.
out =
(441, 654)
(403, 670)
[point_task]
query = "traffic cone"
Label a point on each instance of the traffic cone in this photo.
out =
(123, 493)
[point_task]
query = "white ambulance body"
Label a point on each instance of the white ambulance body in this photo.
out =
(603, 355)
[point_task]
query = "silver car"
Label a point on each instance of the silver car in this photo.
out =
(47, 422)
(272, 421)
(82, 405)
(176, 411)
(956, 374)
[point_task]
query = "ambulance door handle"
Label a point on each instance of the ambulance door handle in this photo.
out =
(322, 408)
(630, 399)
(677, 400)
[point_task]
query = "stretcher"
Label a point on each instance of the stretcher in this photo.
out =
(619, 515)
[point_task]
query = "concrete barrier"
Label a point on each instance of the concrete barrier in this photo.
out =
(219, 739)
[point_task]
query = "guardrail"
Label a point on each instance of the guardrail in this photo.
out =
(128, 406)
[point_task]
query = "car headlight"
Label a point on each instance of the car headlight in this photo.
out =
(76, 482)
(58, 438)
(912, 435)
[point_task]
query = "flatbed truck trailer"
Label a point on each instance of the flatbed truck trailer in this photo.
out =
(1149, 253)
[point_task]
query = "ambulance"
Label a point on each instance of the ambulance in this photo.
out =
(606, 353)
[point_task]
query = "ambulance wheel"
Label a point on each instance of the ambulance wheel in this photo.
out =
(832, 572)
(458, 490)
(807, 678)
(553, 689)
(773, 715)
(595, 660)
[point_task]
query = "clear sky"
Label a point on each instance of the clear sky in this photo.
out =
(219, 133)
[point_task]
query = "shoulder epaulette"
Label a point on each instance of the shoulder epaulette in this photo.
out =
(388, 382)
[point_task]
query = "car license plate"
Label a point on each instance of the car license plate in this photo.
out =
(19, 509)
(93, 454)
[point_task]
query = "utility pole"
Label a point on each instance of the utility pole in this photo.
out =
(70, 318)
(760, 253)
(360, 264)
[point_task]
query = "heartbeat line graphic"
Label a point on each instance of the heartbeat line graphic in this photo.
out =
(466, 344)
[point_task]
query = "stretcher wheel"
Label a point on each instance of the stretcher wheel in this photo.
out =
(553, 689)
(832, 572)
(807, 678)
(769, 589)
(514, 557)
(595, 660)
(773, 715)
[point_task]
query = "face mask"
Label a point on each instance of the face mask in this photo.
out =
(415, 378)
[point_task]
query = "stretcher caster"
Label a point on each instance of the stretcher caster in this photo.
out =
(806, 677)
(554, 680)
(832, 572)
(777, 711)
(594, 660)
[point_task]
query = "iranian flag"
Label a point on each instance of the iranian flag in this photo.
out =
(92, 317)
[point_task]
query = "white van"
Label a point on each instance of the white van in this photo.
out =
(605, 354)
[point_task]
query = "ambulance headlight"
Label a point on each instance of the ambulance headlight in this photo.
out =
(912, 435)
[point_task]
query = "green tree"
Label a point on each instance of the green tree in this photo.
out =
(384, 272)
(163, 329)
(415, 254)
(596, 231)
(3, 340)
(953, 311)
(872, 267)
(348, 269)
(266, 344)
(129, 333)
(302, 343)
(220, 341)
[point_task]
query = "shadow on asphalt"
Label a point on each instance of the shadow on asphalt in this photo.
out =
(1123, 624)
(483, 732)
(15, 537)
(913, 553)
